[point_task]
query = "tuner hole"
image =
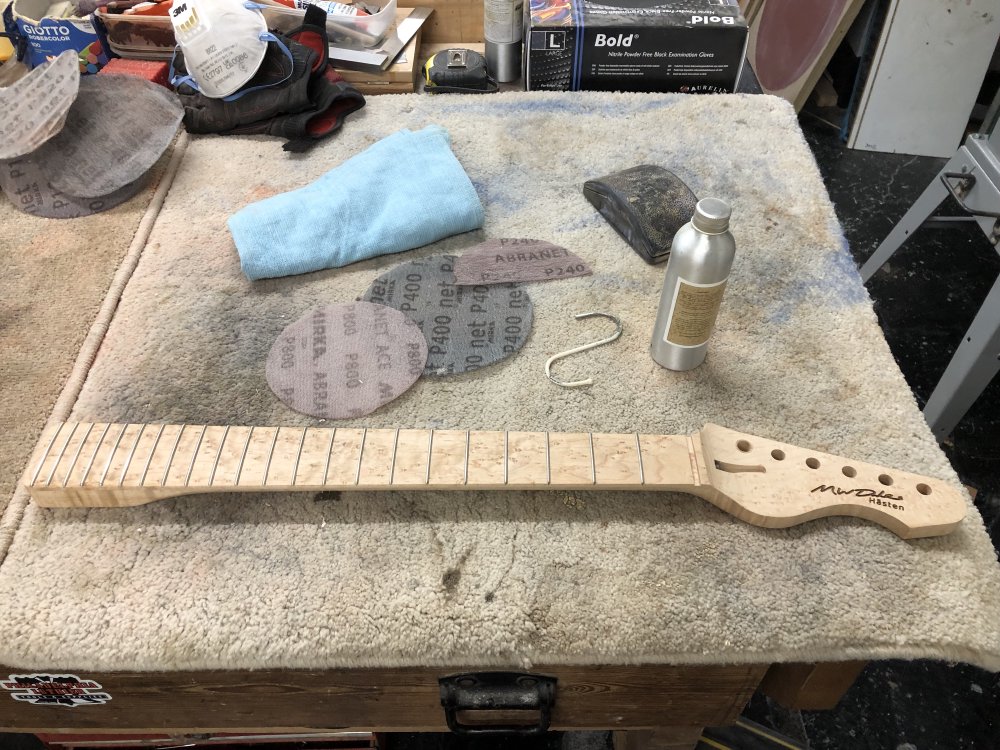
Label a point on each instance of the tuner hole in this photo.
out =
(849, 471)
(812, 463)
(743, 445)
(885, 479)
(778, 455)
(923, 489)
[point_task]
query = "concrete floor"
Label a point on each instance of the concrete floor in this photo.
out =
(925, 299)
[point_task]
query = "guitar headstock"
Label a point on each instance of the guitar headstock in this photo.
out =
(775, 485)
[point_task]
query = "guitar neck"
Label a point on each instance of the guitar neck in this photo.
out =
(761, 481)
(131, 464)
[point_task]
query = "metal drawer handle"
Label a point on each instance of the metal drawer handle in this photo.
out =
(498, 691)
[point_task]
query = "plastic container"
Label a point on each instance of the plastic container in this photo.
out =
(138, 37)
(152, 37)
(344, 31)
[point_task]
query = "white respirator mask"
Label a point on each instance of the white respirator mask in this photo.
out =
(224, 43)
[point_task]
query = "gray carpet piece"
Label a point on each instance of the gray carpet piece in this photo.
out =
(511, 579)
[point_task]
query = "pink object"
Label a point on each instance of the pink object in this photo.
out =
(147, 70)
(793, 33)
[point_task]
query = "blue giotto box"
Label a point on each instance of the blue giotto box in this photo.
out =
(44, 30)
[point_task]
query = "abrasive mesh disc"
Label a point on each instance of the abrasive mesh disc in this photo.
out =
(346, 360)
(28, 188)
(116, 130)
(466, 327)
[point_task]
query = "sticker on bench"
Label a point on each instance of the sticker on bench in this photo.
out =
(44, 689)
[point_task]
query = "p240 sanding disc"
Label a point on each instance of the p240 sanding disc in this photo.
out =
(466, 327)
(340, 361)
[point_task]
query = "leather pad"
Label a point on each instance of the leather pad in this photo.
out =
(646, 205)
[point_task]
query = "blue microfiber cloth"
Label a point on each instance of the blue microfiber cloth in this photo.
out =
(405, 191)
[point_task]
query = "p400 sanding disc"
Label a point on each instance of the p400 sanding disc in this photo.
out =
(466, 327)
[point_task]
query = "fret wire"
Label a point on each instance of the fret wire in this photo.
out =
(173, 452)
(149, 459)
(593, 462)
(131, 453)
(392, 466)
(430, 450)
(638, 450)
(218, 455)
(194, 456)
(76, 456)
(243, 456)
(361, 453)
(270, 454)
(465, 478)
(298, 455)
(55, 466)
(55, 436)
(114, 449)
(506, 435)
(329, 455)
(548, 462)
(97, 449)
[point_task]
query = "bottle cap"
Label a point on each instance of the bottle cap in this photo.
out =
(503, 60)
(711, 216)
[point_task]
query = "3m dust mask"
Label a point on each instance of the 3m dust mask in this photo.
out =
(224, 43)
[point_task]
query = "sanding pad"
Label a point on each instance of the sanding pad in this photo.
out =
(467, 327)
(115, 132)
(28, 189)
(33, 109)
(346, 360)
(646, 205)
(509, 260)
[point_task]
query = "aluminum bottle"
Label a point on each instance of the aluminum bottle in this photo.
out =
(701, 256)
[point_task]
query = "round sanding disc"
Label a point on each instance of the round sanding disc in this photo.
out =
(33, 108)
(346, 360)
(116, 130)
(27, 187)
(467, 327)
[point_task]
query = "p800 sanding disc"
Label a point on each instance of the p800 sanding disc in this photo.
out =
(466, 327)
(341, 361)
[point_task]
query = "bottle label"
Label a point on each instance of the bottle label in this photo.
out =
(693, 312)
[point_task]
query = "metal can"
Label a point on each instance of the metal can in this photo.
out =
(701, 257)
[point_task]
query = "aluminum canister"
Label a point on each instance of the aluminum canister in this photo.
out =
(503, 25)
(701, 257)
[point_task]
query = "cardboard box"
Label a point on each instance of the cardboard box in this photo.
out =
(398, 78)
(49, 29)
(634, 45)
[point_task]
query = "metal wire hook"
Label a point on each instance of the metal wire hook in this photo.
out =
(576, 350)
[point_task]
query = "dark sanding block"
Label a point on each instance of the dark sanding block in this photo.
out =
(646, 205)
